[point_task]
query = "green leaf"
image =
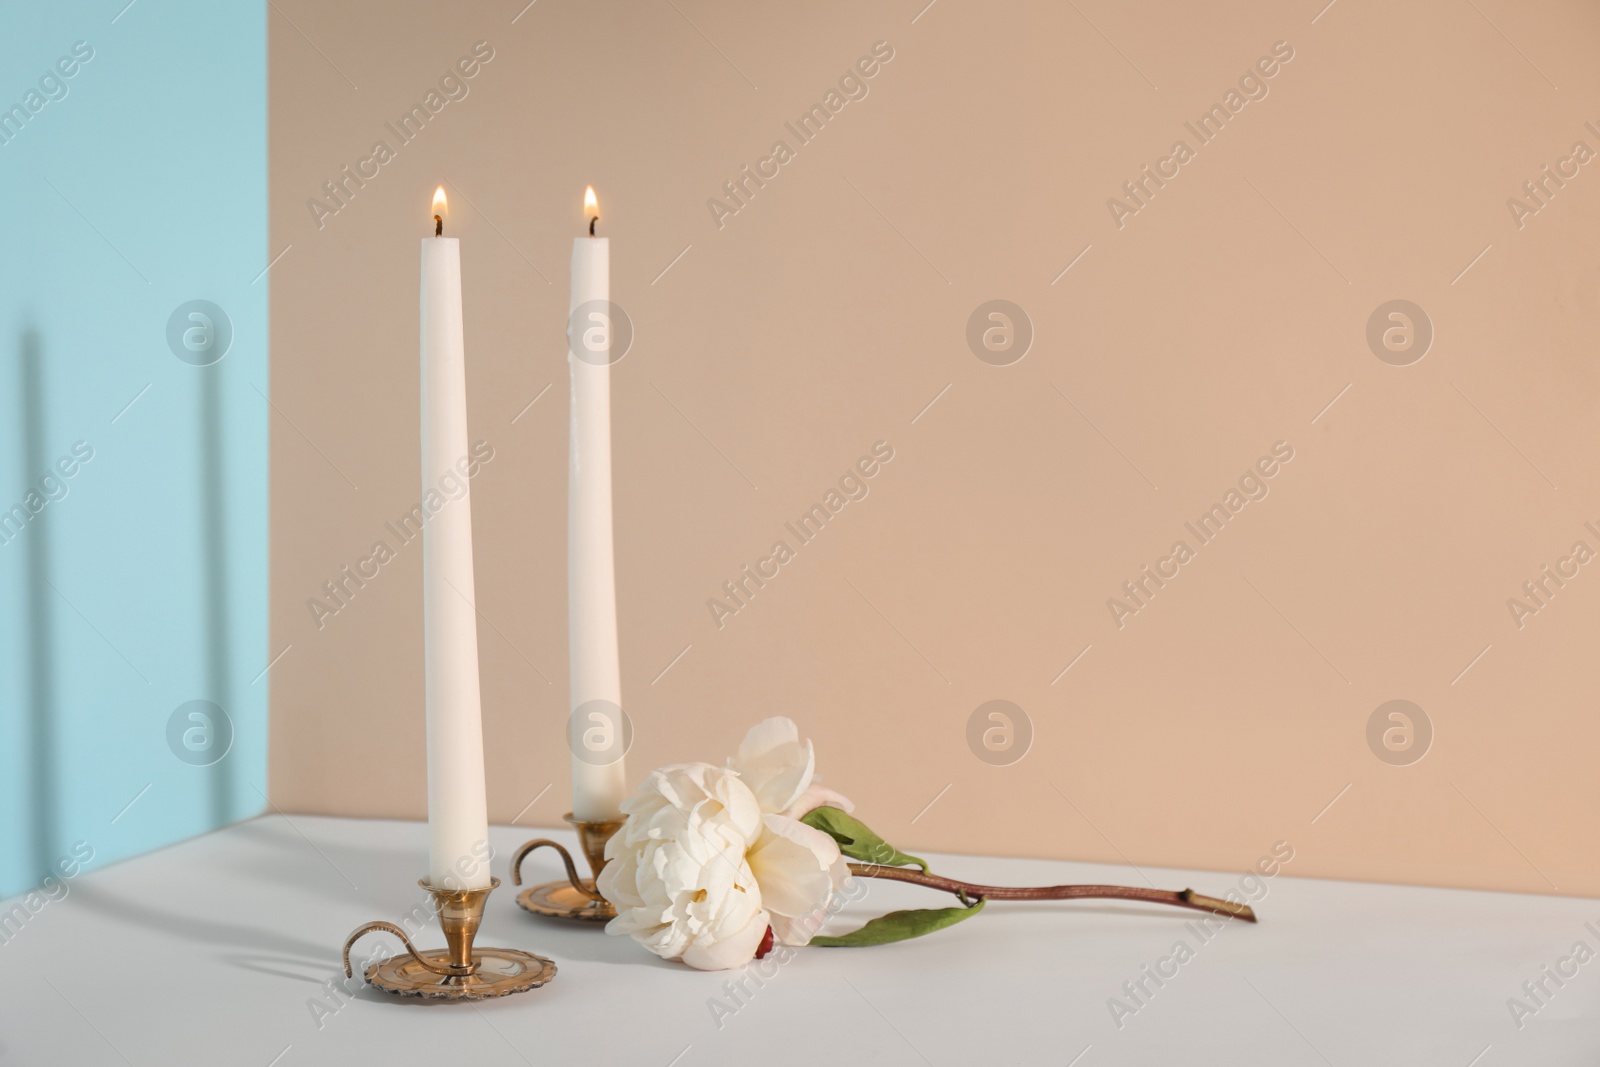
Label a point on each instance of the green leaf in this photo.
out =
(857, 841)
(900, 926)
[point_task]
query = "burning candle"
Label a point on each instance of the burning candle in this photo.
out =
(458, 821)
(596, 730)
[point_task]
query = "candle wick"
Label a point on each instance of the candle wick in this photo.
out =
(591, 224)
(438, 226)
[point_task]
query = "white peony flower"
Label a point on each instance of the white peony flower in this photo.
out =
(710, 858)
(677, 873)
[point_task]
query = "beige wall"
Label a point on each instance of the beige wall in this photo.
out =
(1220, 319)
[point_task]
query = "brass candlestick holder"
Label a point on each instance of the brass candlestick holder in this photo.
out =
(458, 971)
(576, 899)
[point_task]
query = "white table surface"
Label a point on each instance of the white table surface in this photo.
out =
(209, 952)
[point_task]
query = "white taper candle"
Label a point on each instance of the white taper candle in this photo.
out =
(599, 780)
(458, 822)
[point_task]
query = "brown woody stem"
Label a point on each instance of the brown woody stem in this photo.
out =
(969, 891)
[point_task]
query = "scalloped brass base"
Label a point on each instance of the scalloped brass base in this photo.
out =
(500, 972)
(457, 971)
(559, 900)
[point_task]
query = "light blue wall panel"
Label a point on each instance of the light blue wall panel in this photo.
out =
(138, 582)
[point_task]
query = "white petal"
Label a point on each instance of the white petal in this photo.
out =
(793, 864)
(775, 763)
(733, 950)
(799, 930)
(618, 881)
(741, 805)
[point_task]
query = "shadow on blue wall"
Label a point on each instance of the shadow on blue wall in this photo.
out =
(41, 688)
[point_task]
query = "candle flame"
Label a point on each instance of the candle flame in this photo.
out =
(441, 203)
(591, 206)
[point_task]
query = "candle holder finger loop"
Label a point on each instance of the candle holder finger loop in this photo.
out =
(379, 924)
(576, 899)
(459, 971)
(578, 884)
